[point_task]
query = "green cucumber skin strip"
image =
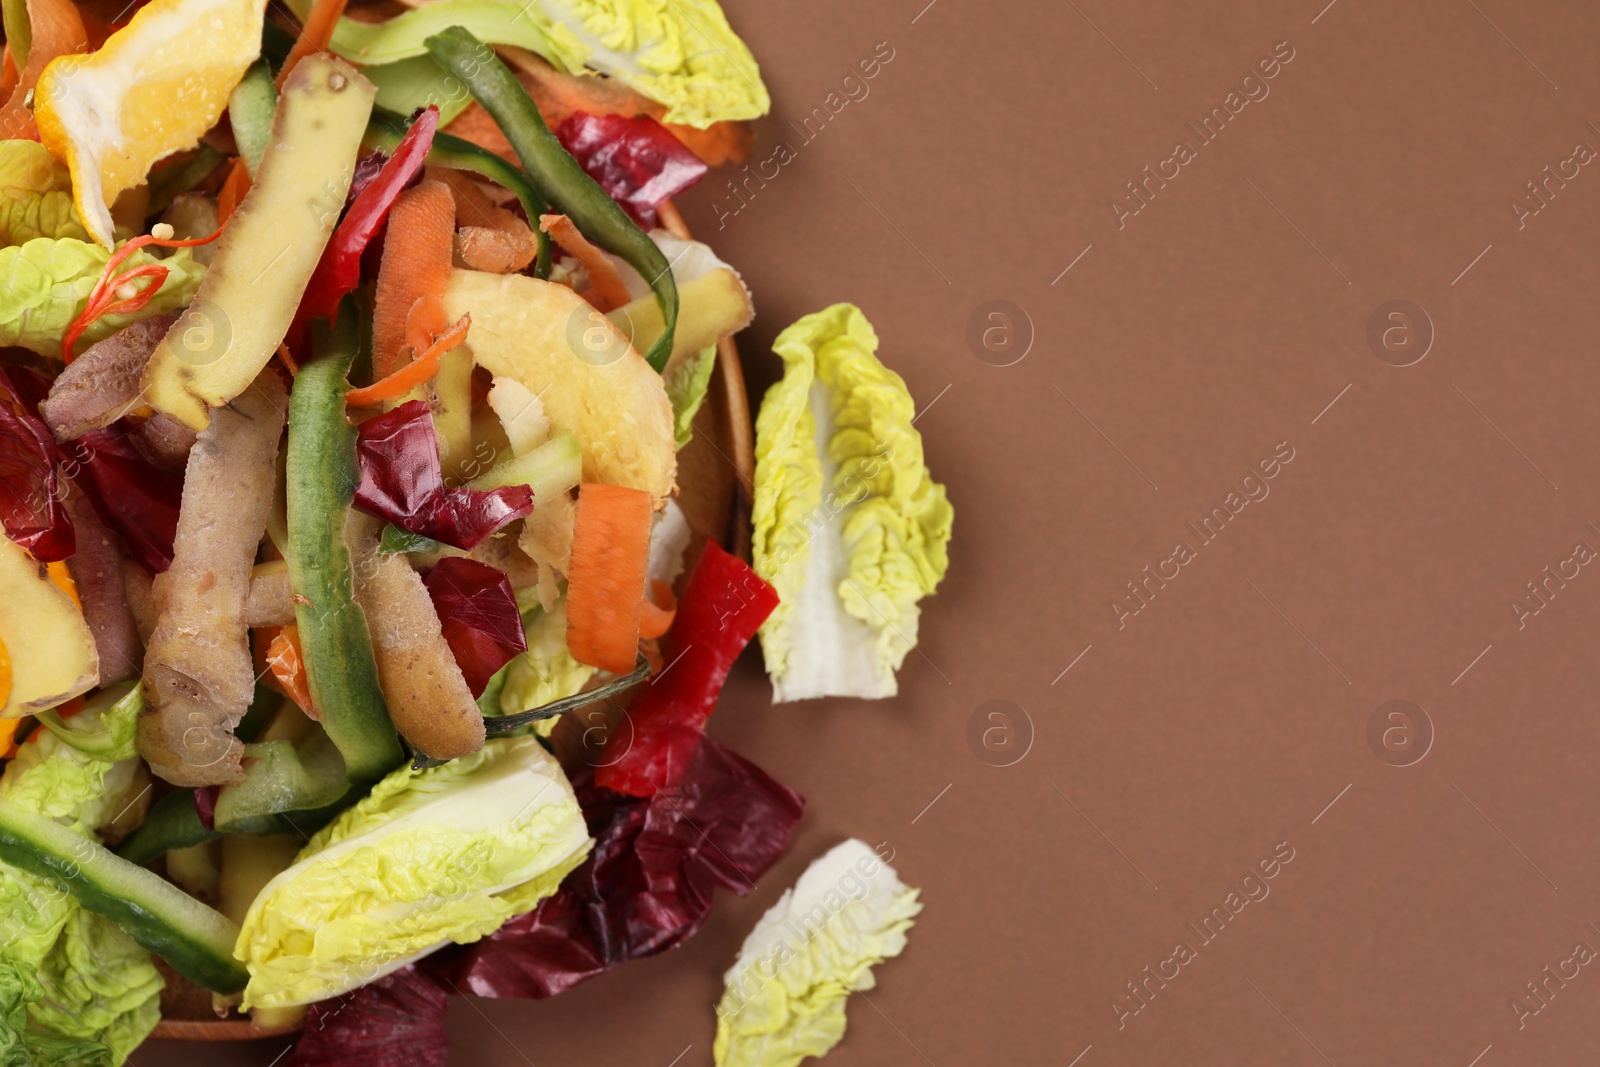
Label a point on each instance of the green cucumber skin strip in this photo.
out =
(564, 183)
(250, 111)
(386, 129)
(549, 470)
(402, 36)
(172, 823)
(321, 483)
(194, 939)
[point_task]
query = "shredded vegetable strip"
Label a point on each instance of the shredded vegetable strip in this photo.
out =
(5, 692)
(315, 37)
(233, 189)
(58, 30)
(657, 611)
(416, 262)
(289, 667)
(288, 360)
(426, 320)
(412, 374)
(606, 289)
(606, 579)
(103, 297)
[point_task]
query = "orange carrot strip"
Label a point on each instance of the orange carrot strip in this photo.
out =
(57, 31)
(605, 284)
(425, 321)
(8, 734)
(5, 682)
(288, 360)
(416, 262)
(606, 577)
(9, 74)
(316, 35)
(672, 221)
(233, 189)
(70, 708)
(657, 611)
(412, 374)
(289, 667)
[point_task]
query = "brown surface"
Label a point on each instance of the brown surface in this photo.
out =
(1210, 729)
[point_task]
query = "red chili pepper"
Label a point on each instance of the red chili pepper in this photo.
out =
(339, 270)
(723, 605)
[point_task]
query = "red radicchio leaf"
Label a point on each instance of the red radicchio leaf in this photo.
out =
(30, 489)
(636, 160)
(724, 603)
(399, 1019)
(134, 497)
(478, 613)
(647, 885)
(205, 805)
(402, 480)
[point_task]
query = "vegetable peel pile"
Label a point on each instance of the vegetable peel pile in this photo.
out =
(358, 640)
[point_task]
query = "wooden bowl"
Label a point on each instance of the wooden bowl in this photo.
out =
(715, 483)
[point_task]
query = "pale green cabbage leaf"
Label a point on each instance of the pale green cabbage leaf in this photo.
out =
(686, 390)
(849, 526)
(428, 857)
(99, 984)
(35, 195)
(48, 283)
(94, 993)
(785, 995)
(680, 53)
(25, 1046)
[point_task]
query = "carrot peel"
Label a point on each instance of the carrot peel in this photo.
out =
(289, 667)
(606, 289)
(315, 36)
(413, 374)
(606, 578)
(657, 611)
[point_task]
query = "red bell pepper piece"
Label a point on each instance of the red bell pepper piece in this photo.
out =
(339, 270)
(723, 605)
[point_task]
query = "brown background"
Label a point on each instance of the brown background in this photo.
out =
(1232, 710)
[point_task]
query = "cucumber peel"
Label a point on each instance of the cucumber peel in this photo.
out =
(557, 175)
(549, 470)
(250, 111)
(321, 483)
(196, 940)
